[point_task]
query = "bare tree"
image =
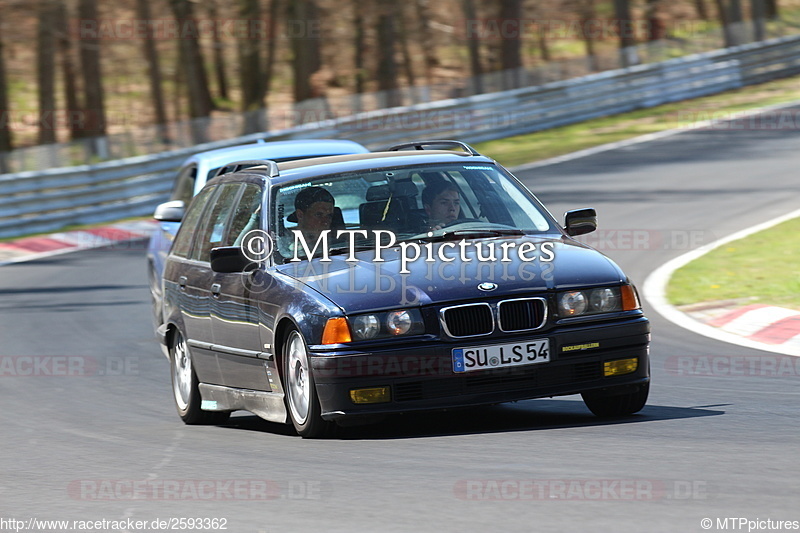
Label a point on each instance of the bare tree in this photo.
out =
(402, 37)
(272, 43)
(68, 70)
(587, 14)
(46, 71)
(627, 39)
(473, 45)
(426, 39)
(387, 66)
(702, 10)
(724, 20)
(94, 98)
(193, 66)
(771, 10)
(359, 44)
(511, 43)
(6, 140)
(218, 59)
(250, 72)
(303, 26)
(153, 69)
(758, 15)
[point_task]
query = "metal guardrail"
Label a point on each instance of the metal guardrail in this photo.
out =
(32, 202)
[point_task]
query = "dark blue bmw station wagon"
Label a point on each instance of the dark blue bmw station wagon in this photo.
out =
(422, 277)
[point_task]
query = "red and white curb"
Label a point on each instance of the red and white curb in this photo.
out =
(763, 327)
(30, 248)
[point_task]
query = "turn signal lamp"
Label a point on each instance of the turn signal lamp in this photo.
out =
(336, 331)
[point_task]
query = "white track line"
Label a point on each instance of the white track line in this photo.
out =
(655, 286)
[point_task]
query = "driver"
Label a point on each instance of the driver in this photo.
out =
(442, 204)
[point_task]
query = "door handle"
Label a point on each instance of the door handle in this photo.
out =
(182, 282)
(215, 288)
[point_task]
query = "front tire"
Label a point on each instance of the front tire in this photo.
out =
(301, 393)
(185, 386)
(610, 403)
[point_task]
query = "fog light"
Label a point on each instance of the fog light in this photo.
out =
(374, 395)
(620, 366)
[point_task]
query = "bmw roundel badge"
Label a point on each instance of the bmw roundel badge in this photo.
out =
(487, 286)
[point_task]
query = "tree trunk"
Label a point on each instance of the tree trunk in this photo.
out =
(6, 140)
(46, 70)
(304, 33)
(94, 98)
(702, 11)
(387, 67)
(473, 45)
(627, 39)
(511, 43)
(272, 41)
(724, 20)
(359, 33)
(153, 70)
(194, 73)
(737, 22)
(771, 10)
(402, 37)
(74, 113)
(426, 40)
(251, 78)
(219, 60)
(587, 14)
(758, 15)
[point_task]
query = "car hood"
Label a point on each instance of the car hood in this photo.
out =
(368, 285)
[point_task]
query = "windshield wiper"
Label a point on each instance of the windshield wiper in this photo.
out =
(473, 234)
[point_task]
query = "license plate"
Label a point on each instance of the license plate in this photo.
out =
(501, 355)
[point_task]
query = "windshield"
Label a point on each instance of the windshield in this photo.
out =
(414, 203)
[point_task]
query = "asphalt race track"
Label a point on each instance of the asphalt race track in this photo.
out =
(91, 433)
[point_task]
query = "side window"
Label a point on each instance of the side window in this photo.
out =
(246, 217)
(184, 186)
(183, 240)
(216, 219)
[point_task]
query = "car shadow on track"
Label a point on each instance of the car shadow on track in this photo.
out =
(529, 415)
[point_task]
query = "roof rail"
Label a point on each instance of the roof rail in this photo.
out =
(236, 166)
(433, 145)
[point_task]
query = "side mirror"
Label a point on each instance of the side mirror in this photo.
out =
(170, 211)
(580, 221)
(229, 259)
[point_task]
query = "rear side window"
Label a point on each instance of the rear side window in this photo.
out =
(216, 221)
(183, 240)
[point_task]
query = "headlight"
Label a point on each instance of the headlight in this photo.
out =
(387, 324)
(594, 301)
(572, 303)
(398, 322)
(604, 300)
(366, 326)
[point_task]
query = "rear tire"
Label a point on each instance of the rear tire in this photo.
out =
(301, 393)
(608, 403)
(185, 386)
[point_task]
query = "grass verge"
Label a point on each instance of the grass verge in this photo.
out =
(756, 269)
(522, 149)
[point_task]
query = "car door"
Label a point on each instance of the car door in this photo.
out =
(235, 319)
(198, 282)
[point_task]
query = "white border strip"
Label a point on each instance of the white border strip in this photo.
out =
(655, 287)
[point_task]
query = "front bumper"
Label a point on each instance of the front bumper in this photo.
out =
(421, 376)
